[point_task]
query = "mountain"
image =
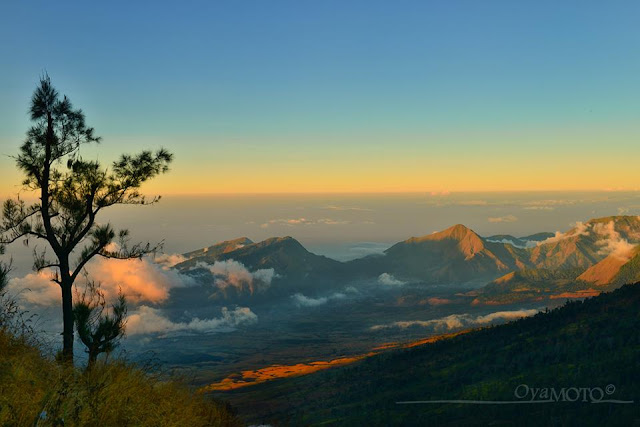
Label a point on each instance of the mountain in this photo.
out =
(587, 243)
(533, 284)
(284, 254)
(589, 258)
(456, 254)
(275, 266)
(592, 343)
(219, 248)
(616, 269)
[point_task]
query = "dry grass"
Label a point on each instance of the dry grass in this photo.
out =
(38, 391)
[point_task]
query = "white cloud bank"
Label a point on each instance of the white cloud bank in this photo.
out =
(606, 235)
(580, 229)
(304, 301)
(457, 321)
(231, 273)
(141, 280)
(149, 320)
(613, 243)
(389, 280)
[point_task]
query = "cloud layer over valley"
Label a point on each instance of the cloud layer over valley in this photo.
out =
(458, 321)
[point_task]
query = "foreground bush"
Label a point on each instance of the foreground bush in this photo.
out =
(37, 391)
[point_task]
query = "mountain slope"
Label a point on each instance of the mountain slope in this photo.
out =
(284, 254)
(456, 254)
(274, 267)
(587, 243)
(37, 390)
(218, 249)
(605, 272)
(591, 343)
(588, 259)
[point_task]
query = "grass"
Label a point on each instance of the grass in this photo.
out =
(35, 390)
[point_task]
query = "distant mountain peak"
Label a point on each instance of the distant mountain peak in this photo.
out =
(456, 232)
(286, 241)
(220, 248)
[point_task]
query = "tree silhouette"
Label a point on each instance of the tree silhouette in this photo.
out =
(4, 272)
(98, 329)
(72, 192)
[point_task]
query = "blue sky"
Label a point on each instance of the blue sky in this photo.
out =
(311, 87)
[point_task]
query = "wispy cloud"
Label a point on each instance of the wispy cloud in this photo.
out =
(612, 243)
(231, 273)
(580, 229)
(292, 222)
(506, 218)
(169, 260)
(389, 280)
(304, 301)
(458, 321)
(149, 320)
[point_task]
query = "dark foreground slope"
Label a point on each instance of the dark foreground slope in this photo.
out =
(591, 343)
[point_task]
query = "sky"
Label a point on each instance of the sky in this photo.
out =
(334, 96)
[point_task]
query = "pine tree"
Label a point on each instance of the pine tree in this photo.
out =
(72, 192)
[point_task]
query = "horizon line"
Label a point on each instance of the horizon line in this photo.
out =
(433, 193)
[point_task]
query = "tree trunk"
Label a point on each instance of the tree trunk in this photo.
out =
(93, 356)
(67, 319)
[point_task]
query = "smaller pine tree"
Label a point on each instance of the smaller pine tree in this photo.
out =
(99, 327)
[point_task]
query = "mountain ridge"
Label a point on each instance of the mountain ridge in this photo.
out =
(589, 256)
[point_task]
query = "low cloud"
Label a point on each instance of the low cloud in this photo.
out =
(231, 273)
(292, 222)
(389, 280)
(612, 244)
(580, 229)
(36, 288)
(149, 320)
(169, 260)
(527, 243)
(506, 218)
(608, 238)
(141, 280)
(458, 321)
(304, 301)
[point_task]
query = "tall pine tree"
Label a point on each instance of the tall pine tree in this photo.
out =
(72, 192)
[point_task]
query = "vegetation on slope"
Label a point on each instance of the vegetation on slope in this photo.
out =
(590, 343)
(35, 390)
